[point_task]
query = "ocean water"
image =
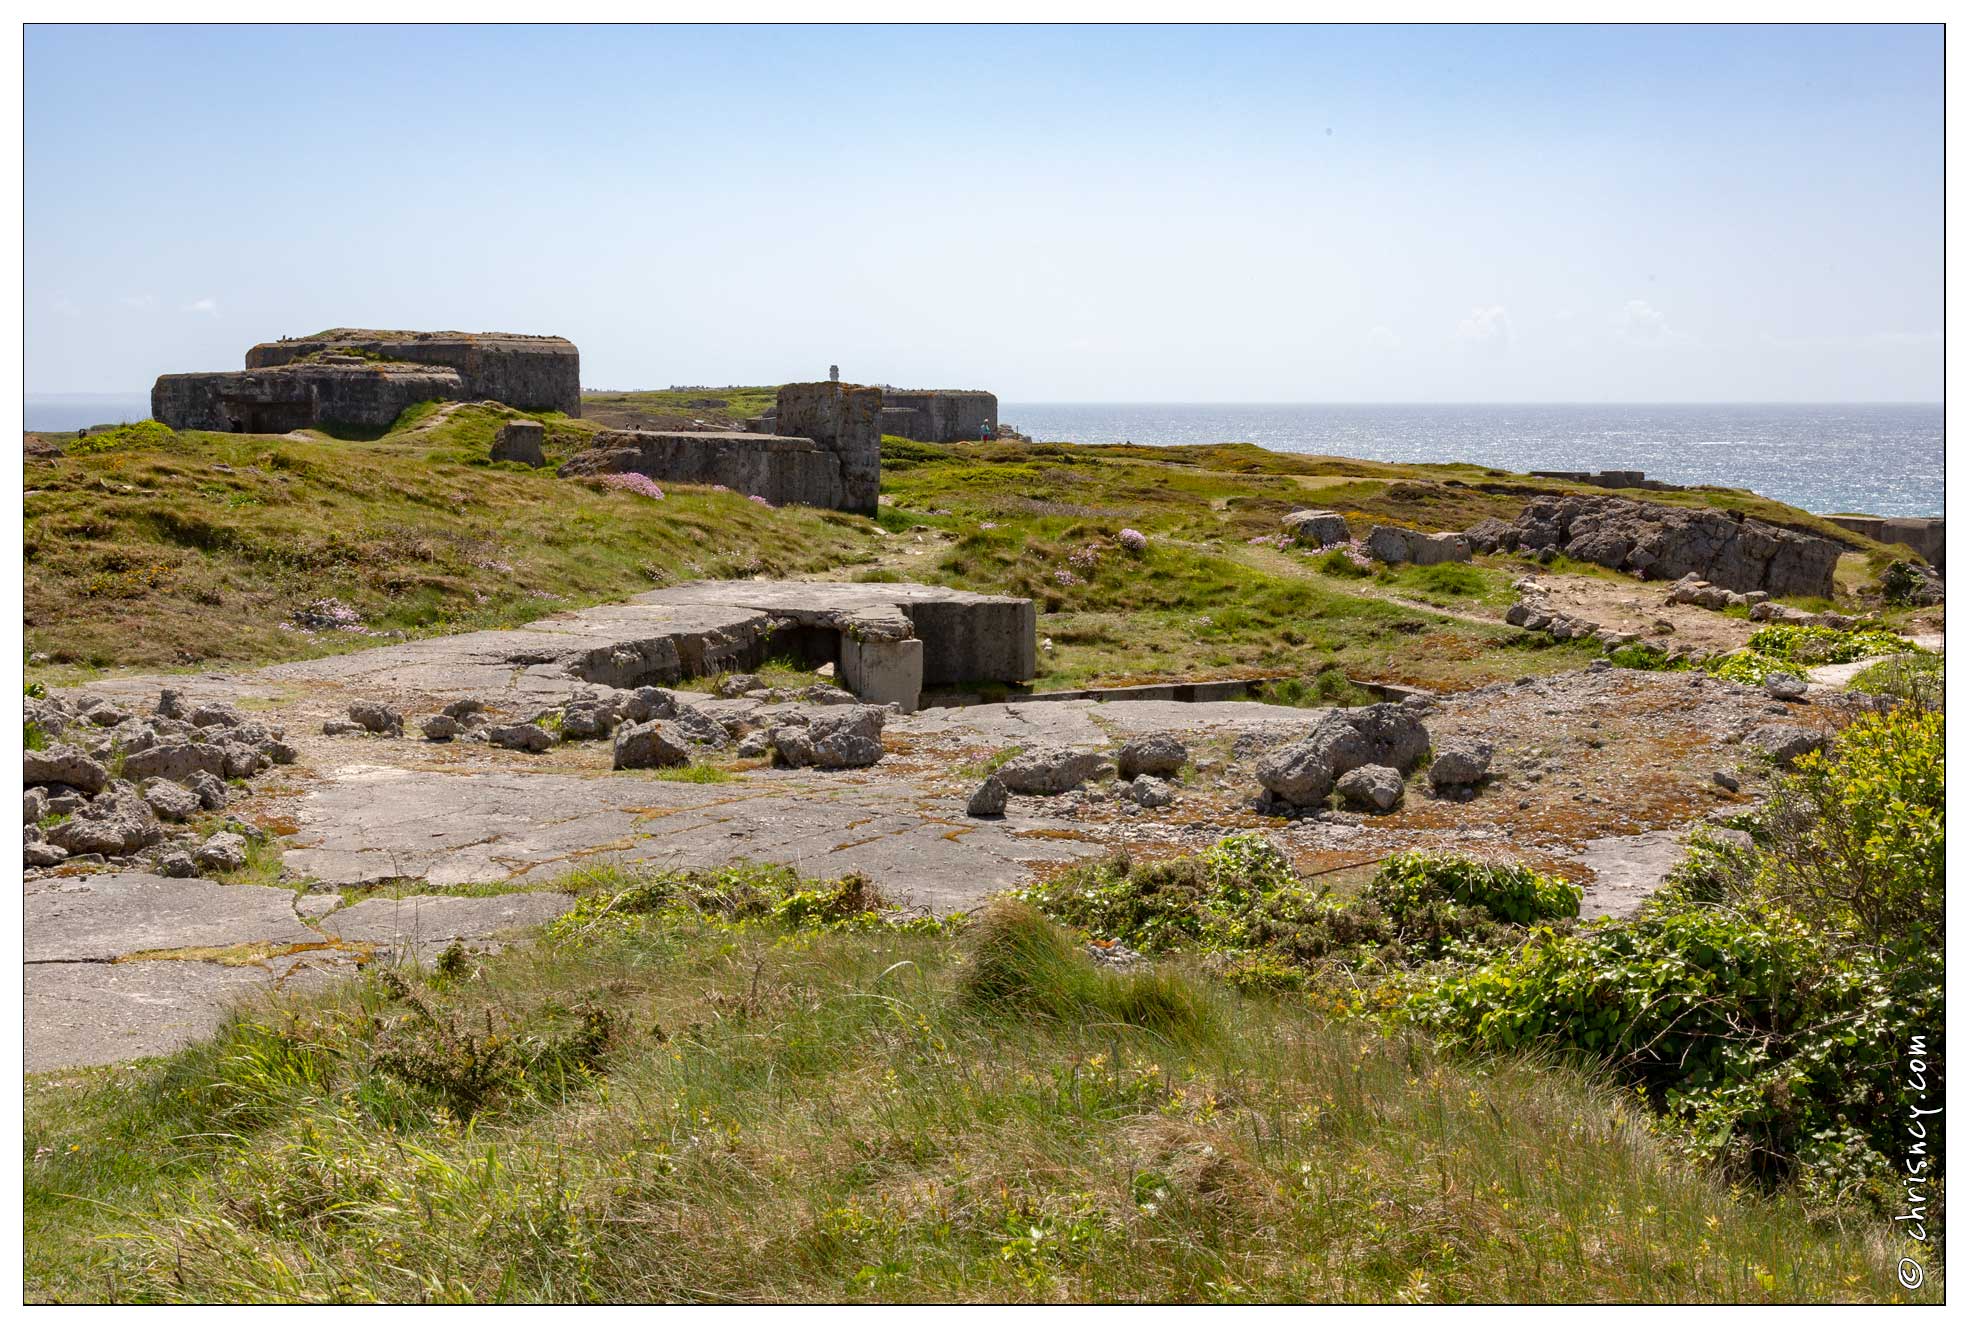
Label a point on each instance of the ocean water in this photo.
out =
(1883, 459)
(61, 412)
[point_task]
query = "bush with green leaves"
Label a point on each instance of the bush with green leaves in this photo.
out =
(1793, 647)
(1509, 892)
(1915, 679)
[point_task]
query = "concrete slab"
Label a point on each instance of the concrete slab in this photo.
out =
(418, 922)
(95, 1014)
(105, 917)
(1627, 869)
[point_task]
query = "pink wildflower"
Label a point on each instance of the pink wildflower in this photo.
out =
(1132, 540)
(634, 483)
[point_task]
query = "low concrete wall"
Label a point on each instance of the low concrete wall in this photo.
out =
(779, 470)
(1924, 535)
(274, 401)
(945, 415)
(531, 373)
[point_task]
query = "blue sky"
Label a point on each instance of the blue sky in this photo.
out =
(1058, 214)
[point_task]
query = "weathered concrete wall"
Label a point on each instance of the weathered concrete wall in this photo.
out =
(531, 373)
(363, 395)
(904, 422)
(847, 421)
(779, 470)
(1924, 535)
(946, 415)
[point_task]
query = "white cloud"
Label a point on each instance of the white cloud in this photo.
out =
(136, 301)
(1382, 337)
(1639, 323)
(1487, 327)
(205, 306)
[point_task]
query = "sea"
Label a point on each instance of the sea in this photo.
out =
(1880, 458)
(1883, 459)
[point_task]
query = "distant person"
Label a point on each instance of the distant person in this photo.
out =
(984, 433)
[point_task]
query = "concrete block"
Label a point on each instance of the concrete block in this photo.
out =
(520, 440)
(883, 672)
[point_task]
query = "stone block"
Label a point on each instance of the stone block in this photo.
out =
(779, 470)
(1314, 527)
(520, 440)
(883, 672)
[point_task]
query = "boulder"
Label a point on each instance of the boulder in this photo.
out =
(1442, 547)
(171, 802)
(41, 854)
(64, 764)
(215, 715)
(652, 743)
(1302, 773)
(988, 800)
(520, 441)
(1149, 792)
(1662, 542)
(588, 717)
(737, 685)
(1390, 544)
(376, 717)
(843, 736)
(1151, 754)
(648, 704)
(1049, 770)
(114, 825)
(464, 708)
(441, 728)
(34, 805)
(521, 737)
(176, 861)
(1784, 687)
(1377, 788)
(702, 727)
(171, 705)
(1460, 761)
(1311, 526)
(211, 790)
(1784, 743)
(224, 852)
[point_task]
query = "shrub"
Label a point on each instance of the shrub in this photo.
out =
(1508, 892)
(142, 434)
(1343, 562)
(1915, 679)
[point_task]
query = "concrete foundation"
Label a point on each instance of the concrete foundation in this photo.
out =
(1924, 535)
(883, 672)
(779, 470)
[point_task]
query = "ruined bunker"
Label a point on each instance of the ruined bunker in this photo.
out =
(361, 378)
(887, 642)
(826, 453)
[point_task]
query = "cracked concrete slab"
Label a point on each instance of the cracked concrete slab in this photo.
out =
(373, 824)
(417, 923)
(105, 917)
(94, 1014)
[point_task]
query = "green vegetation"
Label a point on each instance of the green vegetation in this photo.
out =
(743, 1087)
(1910, 678)
(1791, 648)
(179, 549)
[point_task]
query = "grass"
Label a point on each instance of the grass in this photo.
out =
(743, 1088)
(195, 549)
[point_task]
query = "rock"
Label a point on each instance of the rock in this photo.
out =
(176, 861)
(337, 728)
(1377, 787)
(1149, 792)
(34, 805)
(1725, 779)
(211, 790)
(521, 737)
(1460, 761)
(1049, 770)
(823, 694)
(464, 708)
(41, 854)
(1390, 544)
(441, 728)
(988, 800)
(843, 736)
(171, 705)
(700, 727)
(66, 800)
(648, 704)
(588, 717)
(1784, 743)
(224, 852)
(651, 744)
(114, 825)
(1302, 773)
(1662, 542)
(1152, 754)
(1441, 547)
(215, 715)
(520, 441)
(755, 744)
(1311, 526)
(1784, 687)
(377, 718)
(242, 761)
(737, 685)
(1518, 613)
(64, 764)
(1487, 535)
(105, 715)
(172, 802)
(282, 752)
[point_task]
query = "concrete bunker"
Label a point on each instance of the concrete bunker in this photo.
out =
(887, 641)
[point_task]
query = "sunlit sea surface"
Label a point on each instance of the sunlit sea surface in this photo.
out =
(1883, 459)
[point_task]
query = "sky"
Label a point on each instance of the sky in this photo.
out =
(1286, 214)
